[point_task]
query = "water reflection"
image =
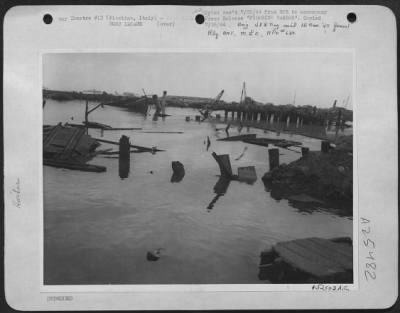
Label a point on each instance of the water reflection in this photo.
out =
(305, 204)
(220, 189)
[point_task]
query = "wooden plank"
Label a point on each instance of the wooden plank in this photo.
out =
(304, 262)
(50, 136)
(76, 135)
(310, 255)
(299, 254)
(74, 166)
(238, 137)
(247, 174)
(342, 253)
(132, 146)
(224, 164)
(332, 249)
(328, 250)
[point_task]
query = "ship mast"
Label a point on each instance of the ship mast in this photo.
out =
(243, 96)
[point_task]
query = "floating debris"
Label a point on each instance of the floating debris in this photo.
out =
(154, 255)
(287, 143)
(156, 132)
(106, 127)
(144, 149)
(264, 142)
(241, 155)
(238, 137)
(179, 172)
(224, 164)
(247, 174)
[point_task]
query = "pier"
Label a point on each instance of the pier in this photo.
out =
(290, 115)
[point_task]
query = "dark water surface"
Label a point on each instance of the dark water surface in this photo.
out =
(98, 227)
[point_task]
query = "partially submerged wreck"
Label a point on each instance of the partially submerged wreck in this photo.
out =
(69, 147)
(134, 104)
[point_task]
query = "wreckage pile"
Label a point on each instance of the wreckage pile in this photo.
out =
(317, 177)
(69, 147)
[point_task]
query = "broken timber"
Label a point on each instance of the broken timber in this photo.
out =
(91, 125)
(224, 164)
(74, 166)
(239, 137)
(69, 147)
(144, 149)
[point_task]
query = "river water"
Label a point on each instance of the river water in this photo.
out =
(98, 227)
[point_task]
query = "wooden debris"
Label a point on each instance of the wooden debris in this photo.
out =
(154, 255)
(74, 166)
(178, 172)
(311, 259)
(117, 152)
(96, 125)
(107, 128)
(150, 132)
(247, 174)
(238, 138)
(224, 164)
(69, 147)
(287, 143)
(145, 149)
(273, 156)
(124, 157)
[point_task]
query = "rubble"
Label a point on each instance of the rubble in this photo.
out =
(322, 177)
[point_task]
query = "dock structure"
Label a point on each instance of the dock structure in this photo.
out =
(292, 117)
(315, 260)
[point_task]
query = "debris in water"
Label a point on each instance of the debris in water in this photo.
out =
(241, 155)
(143, 149)
(240, 127)
(227, 129)
(298, 261)
(124, 157)
(239, 137)
(208, 142)
(154, 255)
(303, 198)
(224, 164)
(155, 132)
(179, 172)
(247, 174)
(69, 147)
(316, 175)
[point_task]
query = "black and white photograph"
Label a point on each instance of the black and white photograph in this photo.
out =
(198, 167)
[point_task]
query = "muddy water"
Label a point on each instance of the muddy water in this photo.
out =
(98, 227)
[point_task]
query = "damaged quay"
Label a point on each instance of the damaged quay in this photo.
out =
(160, 189)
